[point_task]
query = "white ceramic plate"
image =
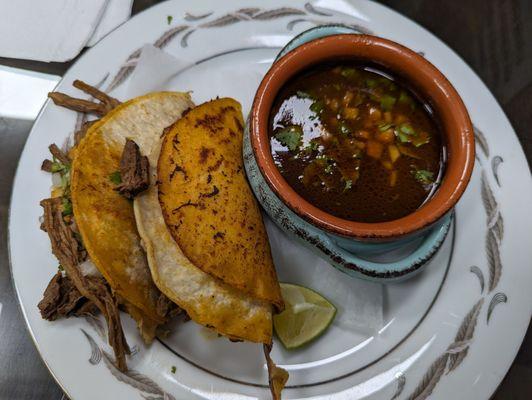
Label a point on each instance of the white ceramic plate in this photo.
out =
(451, 332)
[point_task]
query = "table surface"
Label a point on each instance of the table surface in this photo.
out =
(493, 36)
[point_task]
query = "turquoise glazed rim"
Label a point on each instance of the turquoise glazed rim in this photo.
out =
(349, 255)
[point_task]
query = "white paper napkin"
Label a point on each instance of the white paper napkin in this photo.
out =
(116, 13)
(359, 303)
(154, 69)
(159, 70)
(56, 30)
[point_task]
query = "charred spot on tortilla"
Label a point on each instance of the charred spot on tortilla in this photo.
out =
(134, 171)
(213, 193)
(186, 112)
(186, 204)
(178, 168)
(238, 123)
(213, 123)
(219, 235)
(204, 154)
(216, 165)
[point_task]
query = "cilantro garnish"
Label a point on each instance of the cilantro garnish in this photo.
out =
(387, 102)
(317, 107)
(344, 128)
(405, 133)
(303, 95)
(370, 82)
(328, 163)
(406, 99)
(313, 145)
(116, 178)
(423, 176)
(290, 137)
(58, 167)
(349, 72)
(348, 184)
(67, 206)
(384, 127)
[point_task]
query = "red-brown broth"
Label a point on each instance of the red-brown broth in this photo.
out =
(356, 143)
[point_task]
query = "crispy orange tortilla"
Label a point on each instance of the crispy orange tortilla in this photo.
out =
(206, 299)
(105, 219)
(207, 204)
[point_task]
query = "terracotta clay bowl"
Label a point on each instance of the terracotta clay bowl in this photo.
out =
(333, 236)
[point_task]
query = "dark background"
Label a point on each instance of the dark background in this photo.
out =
(493, 36)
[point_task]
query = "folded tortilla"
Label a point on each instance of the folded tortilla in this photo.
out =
(207, 300)
(104, 218)
(208, 205)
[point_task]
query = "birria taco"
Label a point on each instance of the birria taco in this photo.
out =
(163, 209)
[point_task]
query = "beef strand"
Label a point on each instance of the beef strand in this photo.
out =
(277, 377)
(65, 248)
(80, 133)
(62, 299)
(106, 103)
(46, 165)
(134, 171)
(79, 105)
(59, 154)
(166, 308)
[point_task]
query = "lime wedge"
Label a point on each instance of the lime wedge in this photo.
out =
(306, 316)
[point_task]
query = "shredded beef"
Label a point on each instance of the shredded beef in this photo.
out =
(101, 107)
(163, 305)
(82, 252)
(277, 377)
(64, 244)
(134, 171)
(65, 248)
(106, 103)
(62, 299)
(166, 308)
(46, 166)
(74, 293)
(110, 102)
(80, 133)
(79, 105)
(59, 154)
